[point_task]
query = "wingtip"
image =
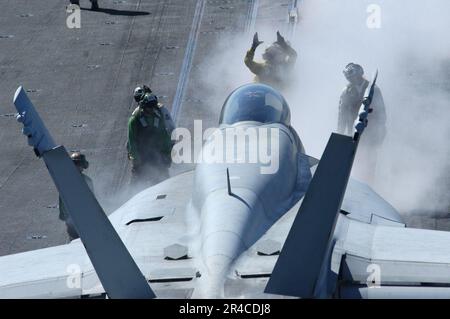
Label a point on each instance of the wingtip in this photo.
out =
(375, 77)
(16, 95)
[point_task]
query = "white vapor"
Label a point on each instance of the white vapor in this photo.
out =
(411, 50)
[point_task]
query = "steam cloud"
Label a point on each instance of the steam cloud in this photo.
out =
(411, 50)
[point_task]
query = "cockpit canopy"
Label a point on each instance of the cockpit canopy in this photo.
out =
(255, 102)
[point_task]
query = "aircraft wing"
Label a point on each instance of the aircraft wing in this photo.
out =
(379, 261)
(159, 232)
(104, 242)
(46, 273)
(156, 234)
(373, 255)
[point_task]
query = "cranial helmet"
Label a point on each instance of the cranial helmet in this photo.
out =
(274, 53)
(79, 160)
(353, 70)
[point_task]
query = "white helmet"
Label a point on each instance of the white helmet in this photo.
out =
(353, 69)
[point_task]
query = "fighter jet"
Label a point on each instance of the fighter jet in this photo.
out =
(241, 227)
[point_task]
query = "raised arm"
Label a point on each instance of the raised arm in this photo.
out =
(255, 67)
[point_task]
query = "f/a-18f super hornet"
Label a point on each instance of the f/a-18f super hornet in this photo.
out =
(229, 230)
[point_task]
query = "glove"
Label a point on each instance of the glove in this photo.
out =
(147, 89)
(280, 40)
(256, 42)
